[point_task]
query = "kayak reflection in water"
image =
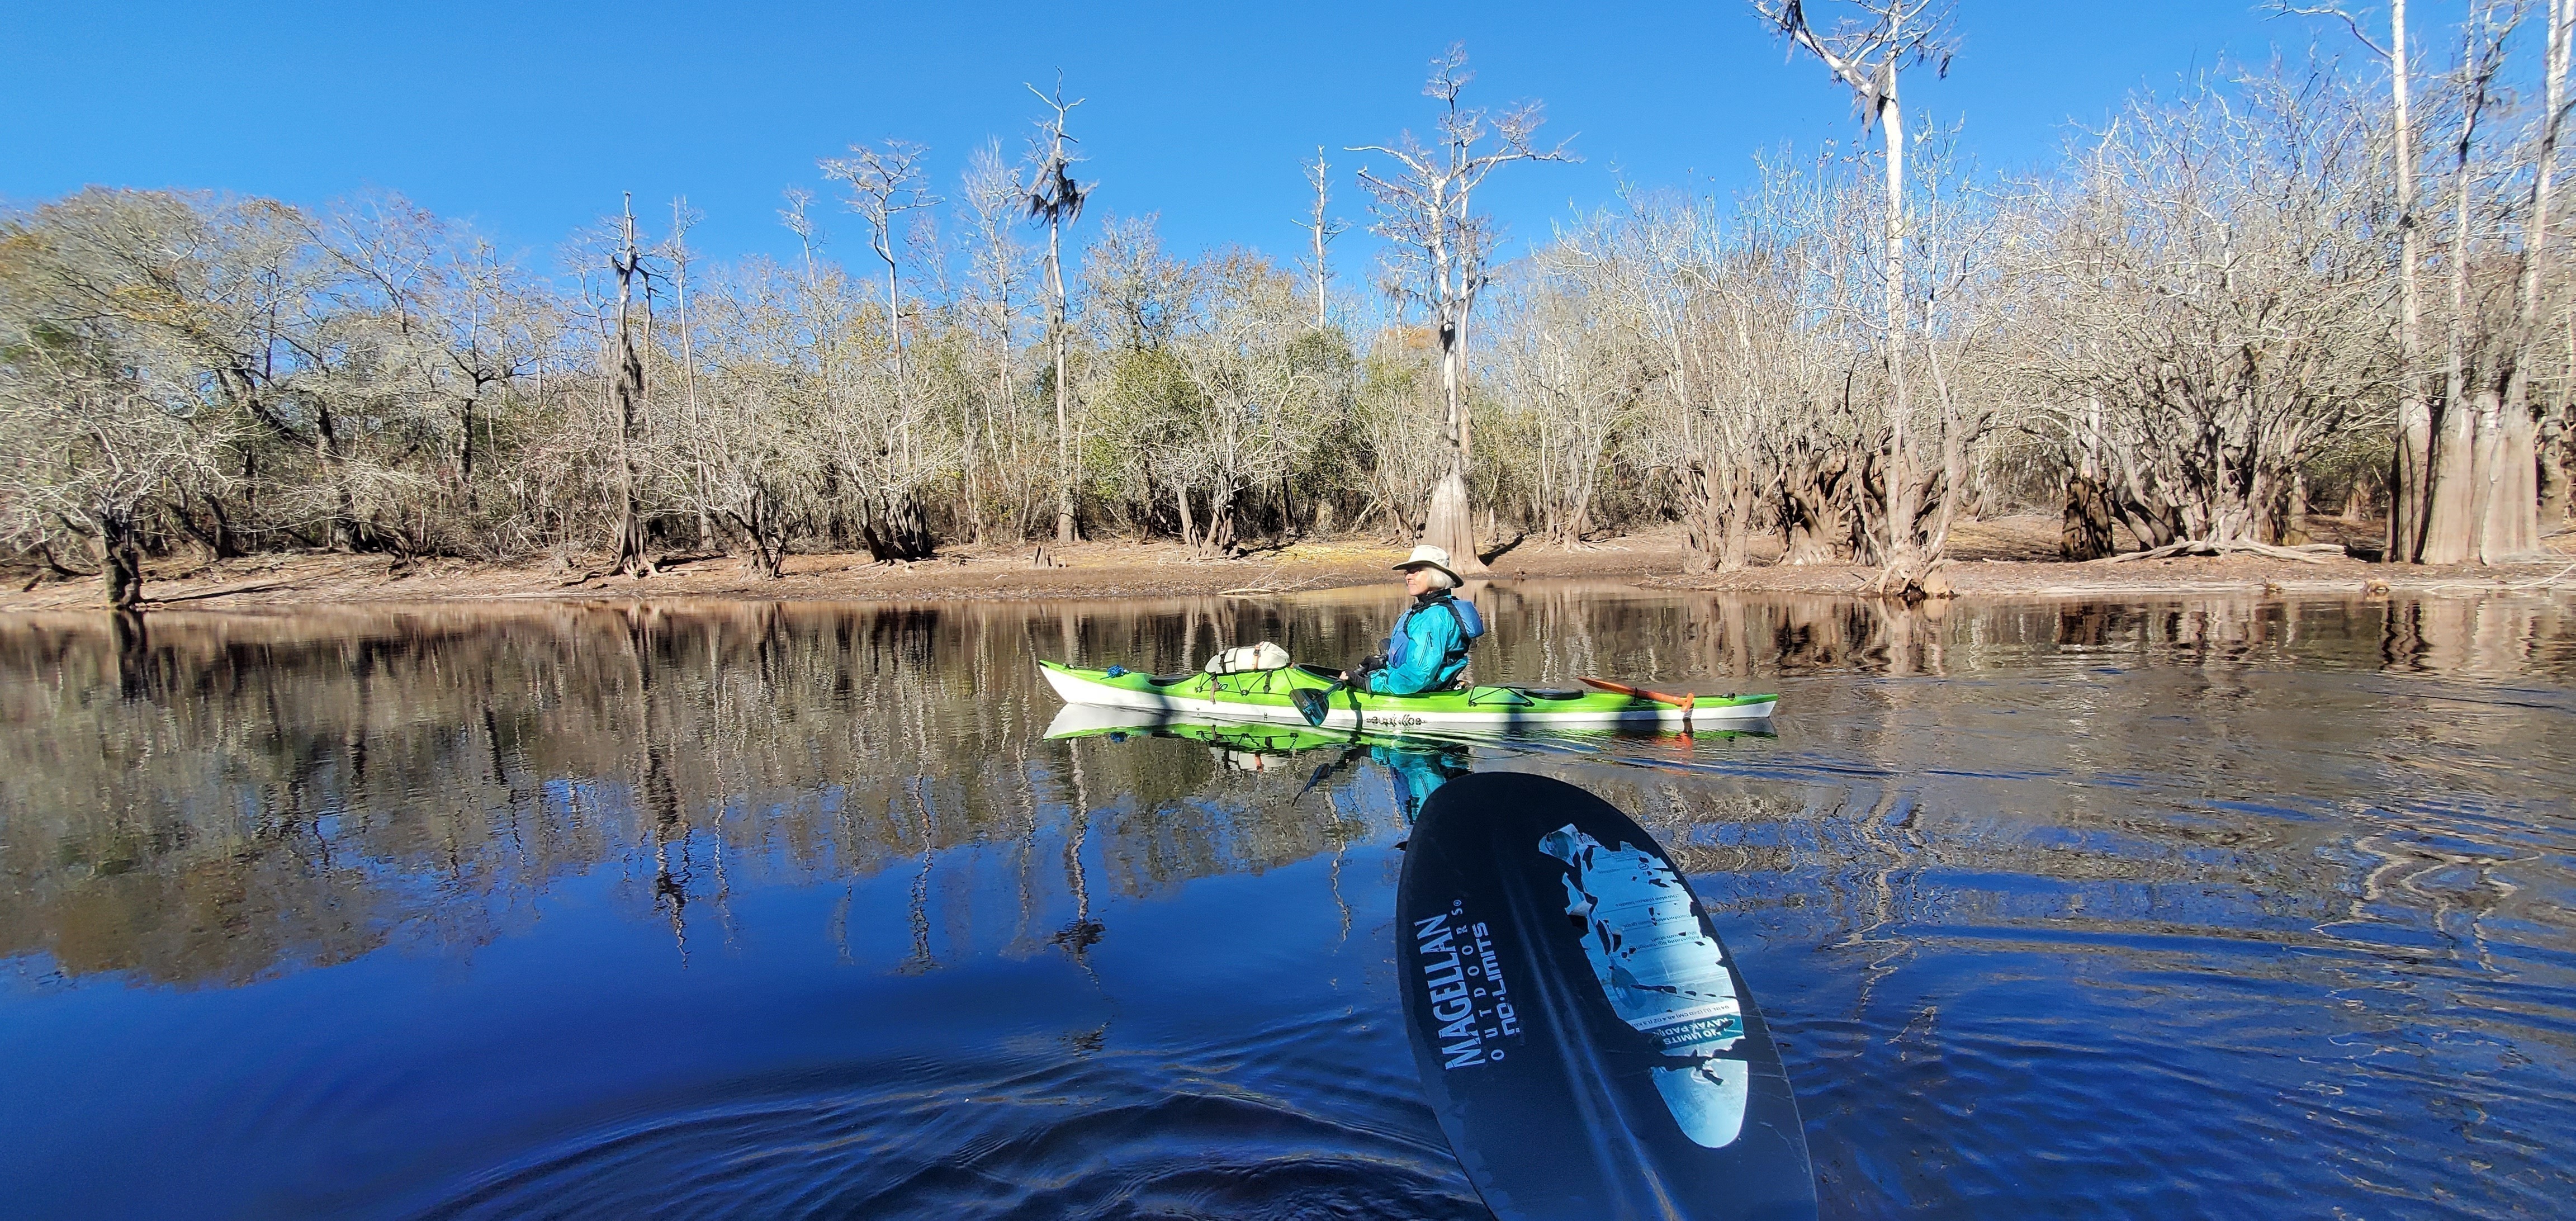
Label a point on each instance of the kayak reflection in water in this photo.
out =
(1419, 766)
(1427, 651)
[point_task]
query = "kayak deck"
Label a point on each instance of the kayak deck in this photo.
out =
(1265, 695)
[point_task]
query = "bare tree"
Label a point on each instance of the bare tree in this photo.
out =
(2410, 464)
(1256, 403)
(885, 184)
(439, 332)
(676, 249)
(1055, 200)
(96, 450)
(766, 397)
(1722, 324)
(626, 397)
(2208, 305)
(2448, 514)
(1321, 229)
(1867, 55)
(1573, 367)
(247, 302)
(2459, 478)
(1438, 250)
(2504, 474)
(106, 422)
(994, 194)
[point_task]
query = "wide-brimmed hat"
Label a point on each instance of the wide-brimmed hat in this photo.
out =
(1428, 556)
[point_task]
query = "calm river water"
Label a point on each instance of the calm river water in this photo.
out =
(2205, 907)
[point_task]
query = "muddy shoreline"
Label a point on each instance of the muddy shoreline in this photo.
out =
(2006, 558)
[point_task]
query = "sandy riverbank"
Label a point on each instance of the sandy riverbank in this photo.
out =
(2009, 557)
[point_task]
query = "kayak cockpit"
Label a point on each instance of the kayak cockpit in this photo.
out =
(1552, 694)
(1518, 697)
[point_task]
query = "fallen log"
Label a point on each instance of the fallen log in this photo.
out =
(2308, 553)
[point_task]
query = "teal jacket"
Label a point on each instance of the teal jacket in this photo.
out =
(1418, 650)
(1419, 773)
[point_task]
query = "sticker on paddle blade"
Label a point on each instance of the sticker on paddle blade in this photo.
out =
(1662, 975)
(1581, 1031)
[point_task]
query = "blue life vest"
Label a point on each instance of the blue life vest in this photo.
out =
(1471, 628)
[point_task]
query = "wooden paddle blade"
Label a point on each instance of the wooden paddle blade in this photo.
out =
(1584, 1037)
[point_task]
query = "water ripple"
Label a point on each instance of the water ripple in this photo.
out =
(1256, 1129)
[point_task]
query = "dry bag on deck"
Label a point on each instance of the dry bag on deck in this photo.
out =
(1250, 657)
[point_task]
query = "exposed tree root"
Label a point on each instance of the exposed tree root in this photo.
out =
(2308, 553)
(1900, 579)
(2545, 582)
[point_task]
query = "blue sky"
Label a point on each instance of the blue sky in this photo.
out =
(530, 118)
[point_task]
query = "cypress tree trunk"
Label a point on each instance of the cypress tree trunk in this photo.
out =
(1450, 526)
(627, 391)
(120, 562)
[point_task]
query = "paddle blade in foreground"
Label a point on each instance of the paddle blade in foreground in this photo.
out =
(1311, 704)
(1585, 1038)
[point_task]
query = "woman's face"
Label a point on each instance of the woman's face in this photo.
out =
(1417, 581)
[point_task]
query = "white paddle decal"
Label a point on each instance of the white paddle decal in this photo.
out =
(1466, 988)
(1662, 975)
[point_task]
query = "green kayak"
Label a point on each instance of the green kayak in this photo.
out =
(1264, 695)
(1280, 739)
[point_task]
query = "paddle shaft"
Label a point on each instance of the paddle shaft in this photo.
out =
(1685, 701)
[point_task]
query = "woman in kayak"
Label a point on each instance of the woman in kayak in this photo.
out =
(1428, 648)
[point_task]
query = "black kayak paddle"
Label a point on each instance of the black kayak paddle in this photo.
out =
(1315, 705)
(1584, 1037)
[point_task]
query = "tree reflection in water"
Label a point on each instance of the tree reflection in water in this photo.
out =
(213, 798)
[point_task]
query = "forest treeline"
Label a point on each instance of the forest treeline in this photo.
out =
(2324, 286)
